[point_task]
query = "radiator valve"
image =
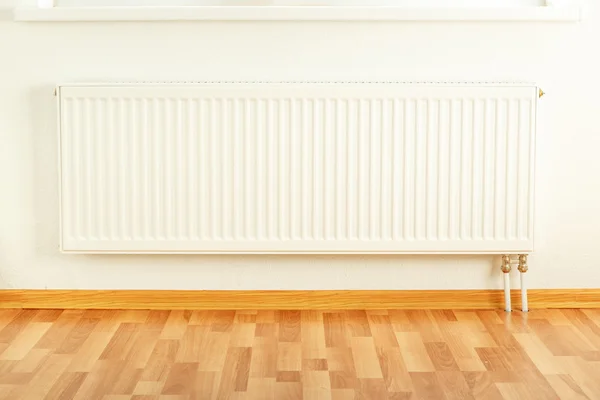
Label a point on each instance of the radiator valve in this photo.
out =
(505, 264)
(523, 267)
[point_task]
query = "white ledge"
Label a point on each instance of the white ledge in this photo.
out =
(301, 13)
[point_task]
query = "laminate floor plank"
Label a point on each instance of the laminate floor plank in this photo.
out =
(304, 355)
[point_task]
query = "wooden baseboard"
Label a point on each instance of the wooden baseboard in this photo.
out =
(298, 300)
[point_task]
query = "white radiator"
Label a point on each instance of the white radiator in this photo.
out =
(306, 167)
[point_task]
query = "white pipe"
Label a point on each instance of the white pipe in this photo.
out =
(507, 306)
(524, 305)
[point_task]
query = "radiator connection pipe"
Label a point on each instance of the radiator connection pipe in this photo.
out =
(523, 268)
(506, 270)
(523, 294)
(507, 305)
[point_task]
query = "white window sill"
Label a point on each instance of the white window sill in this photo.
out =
(301, 13)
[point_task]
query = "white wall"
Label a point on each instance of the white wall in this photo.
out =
(562, 57)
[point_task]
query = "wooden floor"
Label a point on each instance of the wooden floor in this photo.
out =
(338, 355)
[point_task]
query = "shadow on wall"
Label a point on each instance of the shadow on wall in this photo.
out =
(306, 272)
(45, 170)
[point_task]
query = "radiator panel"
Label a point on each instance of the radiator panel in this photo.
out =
(297, 168)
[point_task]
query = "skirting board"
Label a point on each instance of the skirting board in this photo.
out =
(293, 300)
